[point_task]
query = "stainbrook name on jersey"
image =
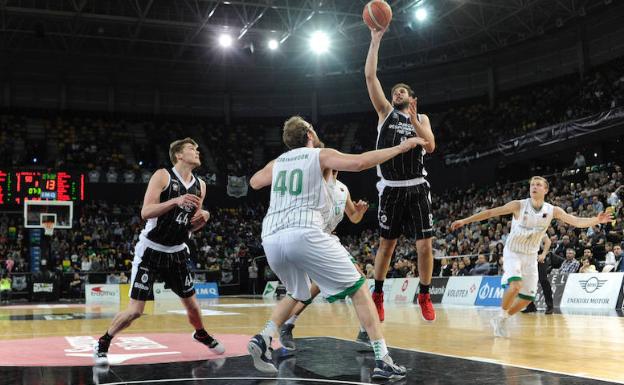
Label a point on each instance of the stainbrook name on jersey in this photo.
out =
(298, 192)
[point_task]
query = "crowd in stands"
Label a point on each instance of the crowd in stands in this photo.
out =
(468, 126)
(101, 244)
(128, 150)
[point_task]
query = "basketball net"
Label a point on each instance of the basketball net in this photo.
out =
(48, 228)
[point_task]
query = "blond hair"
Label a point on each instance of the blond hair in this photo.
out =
(542, 179)
(295, 133)
(177, 146)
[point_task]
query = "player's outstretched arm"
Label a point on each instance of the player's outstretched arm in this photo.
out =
(263, 177)
(152, 207)
(512, 207)
(422, 126)
(330, 158)
(603, 217)
(355, 211)
(375, 91)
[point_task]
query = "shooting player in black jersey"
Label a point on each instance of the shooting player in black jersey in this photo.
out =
(404, 197)
(172, 208)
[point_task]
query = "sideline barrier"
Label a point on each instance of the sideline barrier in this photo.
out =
(98, 294)
(490, 292)
(589, 291)
(207, 290)
(461, 290)
(592, 291)
(269, 288)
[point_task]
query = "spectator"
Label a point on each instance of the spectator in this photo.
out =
(123, 278)
(570, 265)
(76, 286)
(619, 264)
(579, 160)
(482, 267)
(609, 258)
(586, 266)
(253, 276)
(445, 268)
(5, 288)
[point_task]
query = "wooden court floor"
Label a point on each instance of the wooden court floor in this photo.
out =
(582, 345)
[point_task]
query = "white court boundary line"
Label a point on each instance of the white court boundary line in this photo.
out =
(240, 378)
(498, 362)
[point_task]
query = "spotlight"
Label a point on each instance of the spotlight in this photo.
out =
(225, 40)
(319, 42)
(421, 14)
(273, 44)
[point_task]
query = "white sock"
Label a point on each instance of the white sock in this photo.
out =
(380, 348)
(504, 314)
(270, 329)
(362, 329)
(292, 320)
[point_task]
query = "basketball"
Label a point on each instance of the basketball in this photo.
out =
(377, 14)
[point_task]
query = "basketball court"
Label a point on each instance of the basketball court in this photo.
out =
(51, 344)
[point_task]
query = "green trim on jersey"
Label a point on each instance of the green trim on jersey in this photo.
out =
(526, 297)
(347, 292)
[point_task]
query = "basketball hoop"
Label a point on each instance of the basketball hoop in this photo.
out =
(48, 228)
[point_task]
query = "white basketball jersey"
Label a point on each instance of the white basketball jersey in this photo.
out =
(337, 201)
(298, 192)
(528, 230)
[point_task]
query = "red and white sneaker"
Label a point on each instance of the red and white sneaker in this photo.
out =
(378, 300)
(426, 307)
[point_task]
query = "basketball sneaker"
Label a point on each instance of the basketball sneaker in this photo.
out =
(499, 326)
(215, 346)
(100, 352)
(286, 337)
(378, 300)
(363, 338)
(426, 307)
(385, 369)
(259, 347)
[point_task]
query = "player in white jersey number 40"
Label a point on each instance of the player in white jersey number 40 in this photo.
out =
(531, 219)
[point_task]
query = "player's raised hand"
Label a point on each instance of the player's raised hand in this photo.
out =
(457, 224)
(199, 220)
(410, 143)
(361, 206)
(377, 35)
(188, 200)
(412, 110)
(605, 217)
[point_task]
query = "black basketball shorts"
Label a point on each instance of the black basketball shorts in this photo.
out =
(150, 265)
(405, 210)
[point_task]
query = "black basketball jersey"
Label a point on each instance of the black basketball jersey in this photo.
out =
(173, 227)
(393, 130)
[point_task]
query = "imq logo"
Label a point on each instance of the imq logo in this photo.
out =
(487, 291)
(592, 284)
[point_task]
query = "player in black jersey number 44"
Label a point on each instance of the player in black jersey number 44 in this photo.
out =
(172, 209)
(404, 198)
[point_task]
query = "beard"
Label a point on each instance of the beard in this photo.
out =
(400, 106)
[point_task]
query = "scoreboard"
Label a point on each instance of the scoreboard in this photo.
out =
(16, 186)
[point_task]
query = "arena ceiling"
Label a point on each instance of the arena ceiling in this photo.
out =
(180, 32)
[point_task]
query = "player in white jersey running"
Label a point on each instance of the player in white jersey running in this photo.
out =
(531, 219)
(339, 203)
(298, 249)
